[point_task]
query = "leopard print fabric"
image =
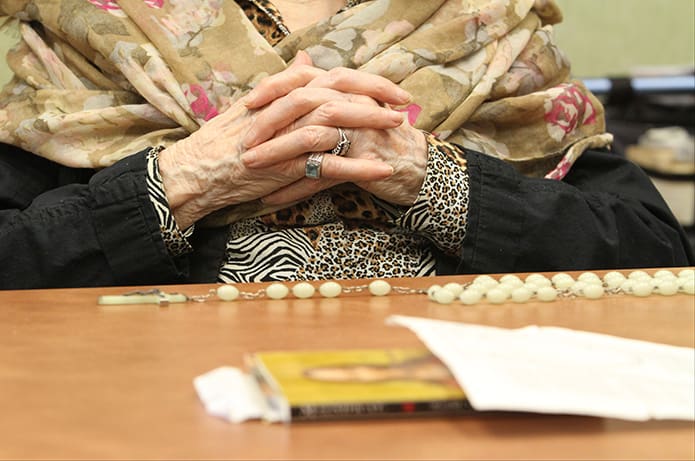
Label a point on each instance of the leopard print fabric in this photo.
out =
(265, 18)
(441, 212)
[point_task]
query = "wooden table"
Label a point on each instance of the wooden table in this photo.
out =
(82, 381)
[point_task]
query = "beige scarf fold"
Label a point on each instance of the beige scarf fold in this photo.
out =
(98, 80)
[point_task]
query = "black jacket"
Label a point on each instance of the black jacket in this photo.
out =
(62, 227)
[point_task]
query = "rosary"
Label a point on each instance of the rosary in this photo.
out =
(482, 289)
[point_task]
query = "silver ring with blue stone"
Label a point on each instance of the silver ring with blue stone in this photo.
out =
(312, 169)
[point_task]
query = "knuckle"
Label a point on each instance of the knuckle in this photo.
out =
(306, 72)
(361, 99)
(311, 138)
(337, 76)
(328, 111)
(294, 169)
(298, 97)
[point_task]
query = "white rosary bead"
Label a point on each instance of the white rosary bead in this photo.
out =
(547, 294)
(578, 287)
(227, 292)
(613, 280)
(687, 285)
(455, 288)
(593, 291)
(303, 290)
(521, 294)
(638, 275)
(484, 287)
(589, 277)
(483, 278)
(596, 281)
(432, 290)
(642, 288)
(486, 283)
(330, 289)
(613, 275)
(511, 279)
(444, 296)
(664, 274)
(508, 287)
(539, 280)
(496, 296)
(562, 281)
(686, 273)
(628, 285)
(564, 284)
(666, 287)
(470, 296)
(379, 288)
(277, 291)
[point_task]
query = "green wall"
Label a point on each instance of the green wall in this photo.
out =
(605, 38)
(601, 37)
(8, 37)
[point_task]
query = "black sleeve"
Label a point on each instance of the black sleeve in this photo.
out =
(605, 214)
(62, 227)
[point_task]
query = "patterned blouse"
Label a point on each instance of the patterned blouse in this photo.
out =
(340, 233)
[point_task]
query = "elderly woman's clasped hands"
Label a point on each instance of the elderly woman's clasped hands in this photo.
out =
(298, 132)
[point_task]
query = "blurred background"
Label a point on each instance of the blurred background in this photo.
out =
(638, 56)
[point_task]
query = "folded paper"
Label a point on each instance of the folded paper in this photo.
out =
(562, 371)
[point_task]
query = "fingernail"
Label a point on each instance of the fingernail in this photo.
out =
(397, 117)
(250, 139)
(387, 170)
(248, 158)
(250, 98)
(403, 95)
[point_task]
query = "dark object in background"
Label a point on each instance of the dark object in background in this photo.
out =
(653, 122)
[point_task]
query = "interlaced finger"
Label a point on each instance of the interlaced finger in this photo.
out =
(285, 110)
(364, 83)
(348, 115)
(280, 84)
(291, 145)
(334, 170)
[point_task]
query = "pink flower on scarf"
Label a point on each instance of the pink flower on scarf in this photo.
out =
(201, 106)
(413, 111)
(154, 3)
(106, 5)
(561, 170)
(569, 109)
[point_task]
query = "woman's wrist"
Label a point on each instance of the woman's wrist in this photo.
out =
(441, 209)
(202, 173)
(182, 190)
(175, 239)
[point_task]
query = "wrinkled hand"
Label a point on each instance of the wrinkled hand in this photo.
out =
(284, 131)
(203, 172)
(402, 149)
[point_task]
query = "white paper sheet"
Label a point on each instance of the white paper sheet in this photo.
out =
(562, 371)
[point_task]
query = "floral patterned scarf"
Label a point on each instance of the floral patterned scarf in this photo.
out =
(98, 80)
